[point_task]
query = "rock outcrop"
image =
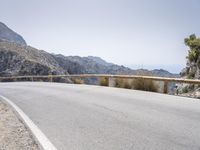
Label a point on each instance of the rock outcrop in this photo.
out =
(9, 35)
(16, 59)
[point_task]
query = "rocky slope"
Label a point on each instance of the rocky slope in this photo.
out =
(78, 65)
(16, 58)
(192, 69)
(9, 35)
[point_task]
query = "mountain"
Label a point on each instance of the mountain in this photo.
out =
(9, 35)
(16, 58)
(99, 61)
(164, 73)
(78, 65)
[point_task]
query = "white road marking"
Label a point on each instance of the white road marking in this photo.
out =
(39, 135)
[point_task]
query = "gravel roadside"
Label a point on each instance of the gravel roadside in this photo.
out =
(13, 133)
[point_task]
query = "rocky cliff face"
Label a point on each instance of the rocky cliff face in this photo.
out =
(99, 60)
(88, 65)
(9, 35)
(16, 59)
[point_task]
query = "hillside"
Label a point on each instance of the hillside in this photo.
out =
(9, 35)
(78, 65)
(99, 60)
(16, 58)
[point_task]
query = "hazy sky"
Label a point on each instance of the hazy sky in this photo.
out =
(139, 33)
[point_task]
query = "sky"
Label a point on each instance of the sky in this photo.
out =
(135, 33)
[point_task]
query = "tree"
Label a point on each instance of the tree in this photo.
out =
(194, 44)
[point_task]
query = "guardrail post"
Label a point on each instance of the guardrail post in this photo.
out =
(111, 82)
(165, 89)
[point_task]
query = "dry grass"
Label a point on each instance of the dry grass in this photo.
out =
(137, 84)
(145, 85)
(104, 81)
(123, 83)
(77, 81)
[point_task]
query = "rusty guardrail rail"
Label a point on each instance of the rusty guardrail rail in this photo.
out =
(108, 76)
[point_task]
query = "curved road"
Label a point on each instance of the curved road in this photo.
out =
(81, 117)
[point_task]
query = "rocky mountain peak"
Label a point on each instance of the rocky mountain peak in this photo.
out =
(7, 34)
(99, 60)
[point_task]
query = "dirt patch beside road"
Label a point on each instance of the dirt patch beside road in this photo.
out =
(13, 133)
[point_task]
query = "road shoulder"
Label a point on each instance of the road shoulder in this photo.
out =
(14, 134)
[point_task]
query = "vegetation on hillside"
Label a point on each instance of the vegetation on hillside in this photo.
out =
(137, 84)
(194, 44)
(192, 69)
(193, 65)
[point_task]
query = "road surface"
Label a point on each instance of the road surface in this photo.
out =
(81, 117)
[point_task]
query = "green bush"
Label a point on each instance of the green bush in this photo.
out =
(198, 64)
(192, 55)
(191, 75)
(185, 90)
(194, 47)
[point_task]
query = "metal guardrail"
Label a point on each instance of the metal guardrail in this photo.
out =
(108, 76)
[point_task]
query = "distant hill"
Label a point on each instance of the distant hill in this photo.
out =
(164, 73)
(78, 65)
(99, 61)
(9, 35)
(16, 58)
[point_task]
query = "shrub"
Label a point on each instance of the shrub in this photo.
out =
(194, 44)
(192, 55)
(185, 90)
(145, 85)
(104, 81)
(138, 84)
(127, 84)
(123, 83)
(77, 81)
(198, 64)
(191, 75)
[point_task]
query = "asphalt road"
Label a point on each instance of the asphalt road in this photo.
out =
(81, 117)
